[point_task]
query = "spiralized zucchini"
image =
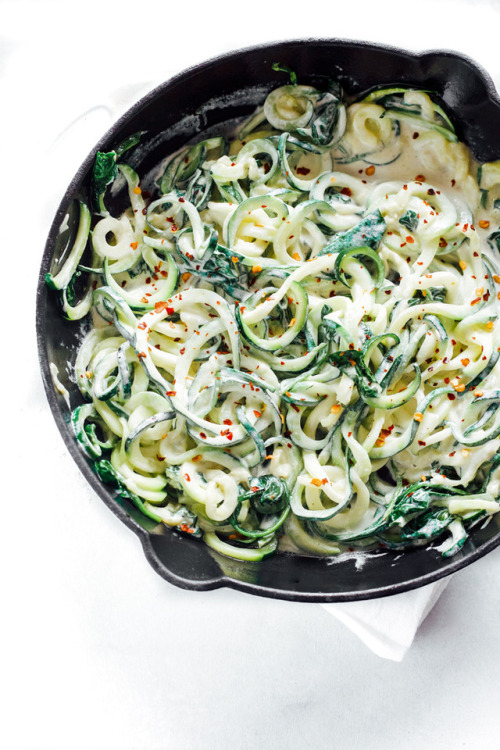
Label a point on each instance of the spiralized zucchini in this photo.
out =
(295, 340)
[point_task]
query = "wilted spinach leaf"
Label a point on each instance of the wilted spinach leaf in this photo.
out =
(368, 233)
(409, 220)
(271, 497)
(103, 174)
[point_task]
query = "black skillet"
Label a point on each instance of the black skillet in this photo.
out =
(200, 99)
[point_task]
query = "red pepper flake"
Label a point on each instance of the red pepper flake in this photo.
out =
(134, 245)
(370, 170)
(295, 407)
(227, 421)
(475, 301)
(171, 393)
(453, 183)
(451, 396)
(142, 325)
(302, 170)
(410, 240)
(257, 413)
(415, 136)
(186, 529)
(346, 191)
(203, 436)
(141, 355)
(442, 242)
(421, 442)
(187, 477)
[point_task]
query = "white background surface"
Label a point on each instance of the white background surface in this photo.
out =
(98, 651)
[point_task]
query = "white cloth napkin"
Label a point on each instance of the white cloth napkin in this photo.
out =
(388, 625)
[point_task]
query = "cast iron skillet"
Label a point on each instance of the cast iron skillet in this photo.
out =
(200, 99)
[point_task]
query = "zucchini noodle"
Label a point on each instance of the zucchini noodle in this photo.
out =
(294, 341)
